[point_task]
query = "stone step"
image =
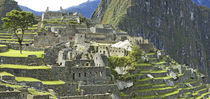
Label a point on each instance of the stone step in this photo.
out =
(156, 76)
(203, 95)
(5, 37)
(148, 80)
(155, 92)
(5, 34)
(147, 68)
(166, 95)
(148, 86)
(202, 91)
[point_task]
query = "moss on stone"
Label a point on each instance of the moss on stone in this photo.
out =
(53, 82)
(5, 74)
(10, 85)
(12, 66)
(26, 79)
(16, 53)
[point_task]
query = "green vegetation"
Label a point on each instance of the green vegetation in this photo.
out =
(53, 82)
(12, 66)
(34, 92)
(15, 53)
(112, 16)
(151, 89)
(10, 85)
(15, 20)
(119, 61)
(160, 71)
(2, 45)
(16, 39)
(27, 79)
(196, 92)
(202, 95)
(5, 74)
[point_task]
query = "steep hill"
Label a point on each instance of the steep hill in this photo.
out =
(202, 2)
(86, 8)
(177, 26)
(6, 6)
(30, 10)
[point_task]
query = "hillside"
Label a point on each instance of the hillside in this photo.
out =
(86, 8)
(202, 2)
(178, 27)
(30, 10)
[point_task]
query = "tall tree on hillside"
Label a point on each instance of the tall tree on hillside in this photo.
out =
(15, 20)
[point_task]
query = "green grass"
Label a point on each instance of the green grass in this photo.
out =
(6, 33)
(149, 54)
(195, 93)
(158, 63)
(32, 28)
(53, 82)
(3, 45)
(16, 53)
(34, 92)
(5, 36)
(193, 87)
(26, 79)
(141, 85)
(159, 71)
(144, 79)
(28, 33)
(5, 74)
(143, 64)
(163, 95)
(10, 85)
(12, 66)
(158, 85)
(166, 77)
(204, 94)
(16, 39)
(151, 89)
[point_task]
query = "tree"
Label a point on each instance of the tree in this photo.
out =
(15, 20)
(135, 54)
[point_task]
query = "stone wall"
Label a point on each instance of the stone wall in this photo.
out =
(99, 89)
(3, 49)
(64, 90)
(41, 74)
(88, 75)
(95, 96)
(112, 51)
(38, 96)
(24, 47)
(26, 36)
(21, 61)
(104, 30)
(10, 95)
(51, 55)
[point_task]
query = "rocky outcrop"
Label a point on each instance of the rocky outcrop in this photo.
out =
(6, 6)
(178, 26)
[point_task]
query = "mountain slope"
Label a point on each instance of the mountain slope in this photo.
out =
(202, 2)
(86, 9)
(177, 26)
(30, 10)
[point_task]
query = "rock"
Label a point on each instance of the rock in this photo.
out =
(122, 84)
(189, 85)
(173, 75)
(169, 83)
(150, 76)
(32, 56)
